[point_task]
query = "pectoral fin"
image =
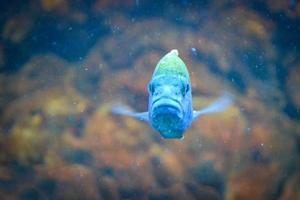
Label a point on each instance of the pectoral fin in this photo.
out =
(218, 106)
(124, 110)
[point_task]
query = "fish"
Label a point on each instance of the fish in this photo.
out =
(170, 109)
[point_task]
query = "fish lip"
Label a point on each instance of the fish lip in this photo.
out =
(171, 103)
(167, 98)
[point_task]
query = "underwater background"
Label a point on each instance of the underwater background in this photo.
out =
(64, 64)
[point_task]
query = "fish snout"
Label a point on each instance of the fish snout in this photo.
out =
(168, 91)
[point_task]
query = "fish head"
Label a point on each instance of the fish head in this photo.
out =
(170, 99)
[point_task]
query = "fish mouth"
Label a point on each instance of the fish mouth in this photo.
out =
(167, 106)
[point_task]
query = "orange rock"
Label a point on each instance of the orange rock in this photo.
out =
(245, 184)
(71, 179)
(172, 164)
(17, 28)
(26, 144)
(291, 188)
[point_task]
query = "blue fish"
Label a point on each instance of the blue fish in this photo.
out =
(170, 108)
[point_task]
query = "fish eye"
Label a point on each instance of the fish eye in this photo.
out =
(151, 88)
(185, 89)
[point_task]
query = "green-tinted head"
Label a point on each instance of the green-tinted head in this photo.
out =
(171, 64)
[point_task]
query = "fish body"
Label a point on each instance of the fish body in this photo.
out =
(170, 108)
(170, 97)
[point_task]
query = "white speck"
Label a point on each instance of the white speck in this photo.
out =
(262, 144)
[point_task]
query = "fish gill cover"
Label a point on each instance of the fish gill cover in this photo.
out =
(64, 63)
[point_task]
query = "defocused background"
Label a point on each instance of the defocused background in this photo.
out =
(64, 63)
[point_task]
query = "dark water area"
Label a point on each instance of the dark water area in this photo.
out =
(65, 64)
